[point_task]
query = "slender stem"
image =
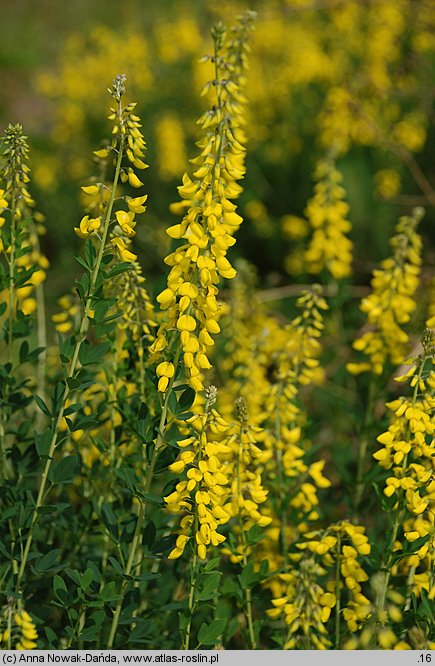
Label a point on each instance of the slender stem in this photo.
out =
(129, 566)
(387, 573)
(42, 342)
(41, 327)
(12, 275)
(409, 583)
(9, 628)
(364, 442)
(3, 460)
(192, 587)
(248, 600)
(399, 514)
(10, 336)
(337, 594)
(283, 487)
(74, 361)
(160, 443)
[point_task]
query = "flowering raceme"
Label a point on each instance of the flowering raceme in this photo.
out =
(391, 302)
(210, 222)
(407, 453)
(127, 140)
(19, 240)
(305, 604)
(329, 247)
(17, 630)
(200, 496)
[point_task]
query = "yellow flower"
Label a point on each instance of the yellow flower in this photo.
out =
(124, 254)
(87, 226)
(91, 189)
(133, 179)
(136, 205)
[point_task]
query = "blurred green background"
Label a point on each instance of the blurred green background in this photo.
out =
(352, 77)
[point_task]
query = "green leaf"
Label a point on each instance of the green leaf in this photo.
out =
(86, 579)
(66, 347)
(57, 397)
(247, 577)
(42, 406)
(172, 403)
(47, 508)
(47, 561)
(24, 351)
(65, 470)
(186, 399)
(42, 442)
(82, 262)
(52, 508)
(118, 269)
(108, 593)
(72, 408)
(425, 609)
(53, 640)
(110, 521)
(149, 534)
(115, 564)
(210, 585)
(60, 589)
(209, 633)
(185, 416)
(107, 259)
(90, 253)
(89, 355)
(73, 383)
(212, 564)
(151, 499)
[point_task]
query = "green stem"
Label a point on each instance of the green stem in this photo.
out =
(364, 442)
(337, 595)
(42, 342)
(409, 583)
(387, 573)
(192, 587)
(247, 590)
(3, 460)
(128, 569)
(10, 337)
(398, 514)
(74, 361)
(12, 276)
(248, 601)
(160, 443)
(283, 487)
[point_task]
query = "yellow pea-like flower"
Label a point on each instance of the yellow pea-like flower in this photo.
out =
(91, 189)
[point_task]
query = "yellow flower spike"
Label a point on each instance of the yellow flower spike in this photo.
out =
(209, 217)
(391, 301)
